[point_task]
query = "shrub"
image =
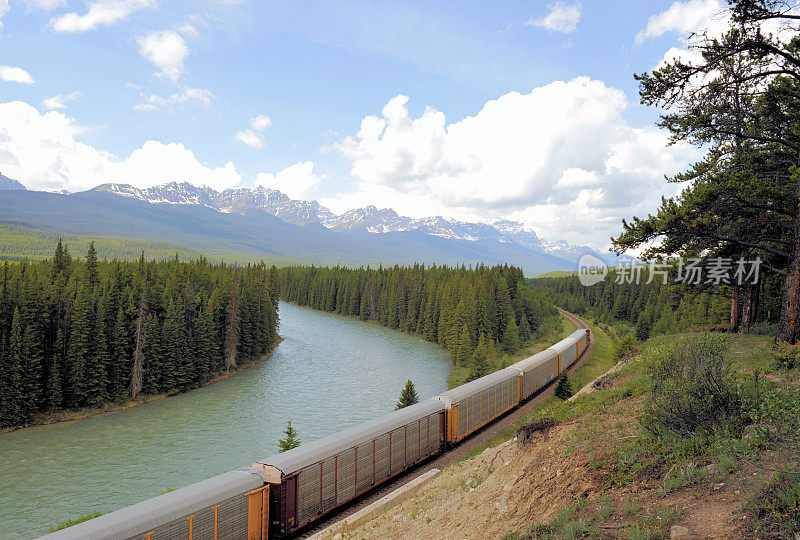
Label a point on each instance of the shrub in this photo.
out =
(776, 508)
(75, 521)
(563, 389)
(693, 390)
(786, 356)
(624, 346)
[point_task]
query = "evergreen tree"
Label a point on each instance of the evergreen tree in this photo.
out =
(511, 336)
(14, 398)
(408, 396)
(463, 349)
(291, 440)
(563, 390)
(643, 327)
(91, 266)
(524, 329)
(80, 348)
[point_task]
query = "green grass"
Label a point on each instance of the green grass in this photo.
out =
(601, 360)
(75, 521)
(23, 243)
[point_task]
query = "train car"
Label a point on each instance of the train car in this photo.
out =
(475, 404)
(229, 505)
(537, 371)
(316, 477)
(569, 349)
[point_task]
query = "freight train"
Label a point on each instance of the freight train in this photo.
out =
(283, 493)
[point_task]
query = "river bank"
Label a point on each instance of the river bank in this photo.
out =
(65, 415)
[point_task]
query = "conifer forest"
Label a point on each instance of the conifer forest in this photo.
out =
(80, 333)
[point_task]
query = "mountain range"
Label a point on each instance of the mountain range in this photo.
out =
(251, 223)
(367, 219)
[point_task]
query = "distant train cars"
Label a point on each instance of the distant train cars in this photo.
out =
(284, 492)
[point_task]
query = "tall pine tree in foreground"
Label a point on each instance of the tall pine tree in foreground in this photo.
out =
(408, 396)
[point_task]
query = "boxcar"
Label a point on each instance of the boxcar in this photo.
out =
(537, 371)
(472, 405)
(230, 505)
(570, 348)
(312, 479)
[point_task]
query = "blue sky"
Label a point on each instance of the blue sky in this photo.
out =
(125, 72)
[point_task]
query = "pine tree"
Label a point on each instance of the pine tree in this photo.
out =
(563, 390)
(80, 347)
(54, 395)
(408, 396)
(524, 329)
(118, 357)
(232, 330)
(463, 349)
(13, 399)
(484, 352)
(511, 336)
(91, 266)
(290, 441)
(643, 327)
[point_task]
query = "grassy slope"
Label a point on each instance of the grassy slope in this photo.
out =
(18, 243)
(612, 478)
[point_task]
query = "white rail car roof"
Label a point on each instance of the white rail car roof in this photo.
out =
(464, 391)
(309, 453)
(133, 521)
(568, 342)
(537, 359)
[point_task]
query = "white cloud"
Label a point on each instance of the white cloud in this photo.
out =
(42, 151)
(15, 74)
(561, 158)
(260, 122)
(297, 181)
(167, 50)
(250, 138)
(186, 95)
(100, 13)
(685, 18)
(59, 101)
(253, 137)
(562, 17)
(693, 20)
(4, 8)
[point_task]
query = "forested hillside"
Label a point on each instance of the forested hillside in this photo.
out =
(81, 333)
(659, 308)
(473, 313)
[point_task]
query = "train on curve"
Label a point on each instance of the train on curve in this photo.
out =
(282, 493)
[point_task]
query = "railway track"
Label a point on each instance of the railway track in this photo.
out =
(482, 437)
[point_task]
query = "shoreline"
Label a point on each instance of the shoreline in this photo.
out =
(65, 415)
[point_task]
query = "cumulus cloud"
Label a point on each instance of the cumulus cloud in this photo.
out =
(297, 181)
(59, 101)
(562, 17)
(685, 18)
(185, 96)
(15, 74)
(167, 50)
(42, 150)
(561, 158)
(100, 13)
(253, 137)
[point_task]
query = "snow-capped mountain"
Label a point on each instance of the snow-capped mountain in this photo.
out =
(368, 219)
(230, 201)
(7, 184)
